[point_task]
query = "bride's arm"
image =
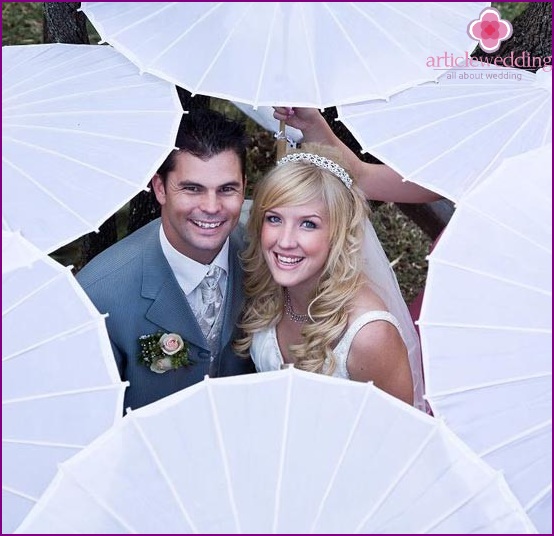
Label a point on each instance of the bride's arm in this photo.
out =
(378, 354)
(377, 181)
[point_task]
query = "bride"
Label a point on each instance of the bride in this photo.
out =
(320, 292)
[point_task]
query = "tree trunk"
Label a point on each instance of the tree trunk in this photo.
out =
(64, 24)
(532, 33)
(431, 218)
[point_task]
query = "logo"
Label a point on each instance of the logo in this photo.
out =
(490, 29)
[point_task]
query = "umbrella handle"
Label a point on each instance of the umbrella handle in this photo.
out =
(281, 141)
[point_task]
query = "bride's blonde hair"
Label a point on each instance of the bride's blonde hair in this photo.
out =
(293, 184)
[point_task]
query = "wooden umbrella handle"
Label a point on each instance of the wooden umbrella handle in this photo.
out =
(281, 141)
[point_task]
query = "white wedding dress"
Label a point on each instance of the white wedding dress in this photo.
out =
(265, 349)
(267, 356)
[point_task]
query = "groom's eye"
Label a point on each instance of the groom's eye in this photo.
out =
(229, 189)
(190, 188)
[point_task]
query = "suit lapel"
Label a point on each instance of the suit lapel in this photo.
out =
(170, 309)
(234, 294)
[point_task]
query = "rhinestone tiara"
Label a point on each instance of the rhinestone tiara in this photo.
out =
(319, 161)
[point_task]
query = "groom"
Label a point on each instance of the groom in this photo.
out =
(173, 289)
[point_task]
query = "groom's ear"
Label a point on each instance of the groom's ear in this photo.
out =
(244, 184)
(159, 188)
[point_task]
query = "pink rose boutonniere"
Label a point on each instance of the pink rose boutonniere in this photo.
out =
(163, 351)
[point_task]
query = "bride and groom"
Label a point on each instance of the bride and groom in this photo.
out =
(319, 291)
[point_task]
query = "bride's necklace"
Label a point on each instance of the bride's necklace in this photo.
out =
(295, 317)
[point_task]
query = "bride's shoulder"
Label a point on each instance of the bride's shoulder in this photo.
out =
(366, 300)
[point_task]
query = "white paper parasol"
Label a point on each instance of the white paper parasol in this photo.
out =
(278, 452)
(486, 326)
(448, 136)
(82, 133)
(60, 385)
(287, 53)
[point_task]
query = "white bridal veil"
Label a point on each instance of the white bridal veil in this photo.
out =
(377, 268)
(384, 283)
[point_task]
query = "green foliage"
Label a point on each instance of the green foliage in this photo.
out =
(510, 10)
(406, 246)
(21, 23)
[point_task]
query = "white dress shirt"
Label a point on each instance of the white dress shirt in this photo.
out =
(190, 273)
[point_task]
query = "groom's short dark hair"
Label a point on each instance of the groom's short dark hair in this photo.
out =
(206, 133)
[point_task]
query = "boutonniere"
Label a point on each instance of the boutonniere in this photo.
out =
(163, 351)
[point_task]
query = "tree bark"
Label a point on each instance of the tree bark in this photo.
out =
(532, 33)
(431, 218)
(64, 24)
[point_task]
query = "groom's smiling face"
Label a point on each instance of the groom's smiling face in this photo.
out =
(201, 202)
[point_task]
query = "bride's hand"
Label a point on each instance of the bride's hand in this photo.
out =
(304, 119)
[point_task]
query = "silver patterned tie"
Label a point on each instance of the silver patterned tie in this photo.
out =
(211, 298)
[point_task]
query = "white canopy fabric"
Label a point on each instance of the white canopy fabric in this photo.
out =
(314, 54)
(278, 452)
(486, 326)
(448, 136)
(60, 385)
(83, 132)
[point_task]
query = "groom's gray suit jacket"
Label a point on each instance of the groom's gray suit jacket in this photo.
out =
(133, 282)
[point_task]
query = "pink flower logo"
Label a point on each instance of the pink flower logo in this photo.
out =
(490, 29)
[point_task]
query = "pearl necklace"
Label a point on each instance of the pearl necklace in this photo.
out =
(295, 317)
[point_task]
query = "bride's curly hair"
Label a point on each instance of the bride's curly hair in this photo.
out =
(294, 184)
